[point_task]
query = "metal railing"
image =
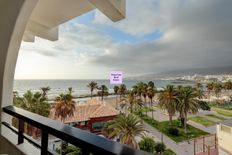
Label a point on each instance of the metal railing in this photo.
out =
(89, 143)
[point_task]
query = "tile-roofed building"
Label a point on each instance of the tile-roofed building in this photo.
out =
(90, 115)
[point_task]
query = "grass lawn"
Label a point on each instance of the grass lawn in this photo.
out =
(223, 112)
(144, 109)
(215, 116)
(201, 120)
(164, 126)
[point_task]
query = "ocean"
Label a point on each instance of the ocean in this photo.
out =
(79, 86)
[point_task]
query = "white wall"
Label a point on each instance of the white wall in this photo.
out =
(14, 15)
(224, 139)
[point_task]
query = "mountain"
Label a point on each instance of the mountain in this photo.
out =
(193, 71)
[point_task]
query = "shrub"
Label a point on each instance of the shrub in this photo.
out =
(70, 150)
(168, 152)
(160, 147)
(147, 144)
(173, 131)
(204, 105)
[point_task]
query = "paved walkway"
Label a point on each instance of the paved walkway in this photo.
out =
(181, 149)
(209, 129)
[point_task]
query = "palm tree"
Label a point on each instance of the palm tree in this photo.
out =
(103, 91)
(122, 91)
(126, 127)
(144, 92)
(199, 90)
(210, 87)
(18, 101)
(151, 84)
(140, 86)
(70, 90)
(228, 86)
(187, 103)
(179, 87)
(107, 130)
(45, 91)
(131, 99)
(217, 88)
(151, 93)
(199, 86)
(116, 89)
(64, 108)
(92, 86)
(33, 102)
(168, 100)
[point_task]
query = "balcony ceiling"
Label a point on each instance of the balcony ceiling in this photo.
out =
(49, 14)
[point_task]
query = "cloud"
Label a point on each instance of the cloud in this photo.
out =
(195, 34)
(142, 17)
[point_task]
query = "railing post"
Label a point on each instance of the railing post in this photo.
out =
(44, 142)
(21, 131)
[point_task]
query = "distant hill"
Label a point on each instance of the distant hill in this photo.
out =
(193, 71)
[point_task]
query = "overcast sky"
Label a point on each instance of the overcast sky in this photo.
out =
(156, 36)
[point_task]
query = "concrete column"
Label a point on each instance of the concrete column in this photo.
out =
(14, 15)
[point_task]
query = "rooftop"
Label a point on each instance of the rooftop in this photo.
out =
(91, 109)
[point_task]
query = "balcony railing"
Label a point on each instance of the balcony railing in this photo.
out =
(88, 142)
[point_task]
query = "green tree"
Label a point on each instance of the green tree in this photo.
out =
(199, 86)
(92, 86)
(168, 152)
(144, 93)
(126, 127)
(147, 144)
(122, 91)
(131, 99)
(151, 93)
(160, 147)
(228, 86)
(140, 88)
(168, 100)
(210, 87)
(116, 90)
(151, 84)
(33, 102)
(103, 91)
(64, 108)
(70, 90)
(45, 91)
(217, 88)
(107, 130)
(187, 103)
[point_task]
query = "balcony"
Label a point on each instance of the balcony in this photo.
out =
(88, 142)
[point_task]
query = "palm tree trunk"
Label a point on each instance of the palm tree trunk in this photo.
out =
(91, 94)
(116, 101)
(170, 119)
(209, 97)
(152, 110)
(185, 123)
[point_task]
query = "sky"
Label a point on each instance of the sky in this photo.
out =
(156, 36)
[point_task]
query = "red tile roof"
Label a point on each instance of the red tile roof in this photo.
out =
(91, 109)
